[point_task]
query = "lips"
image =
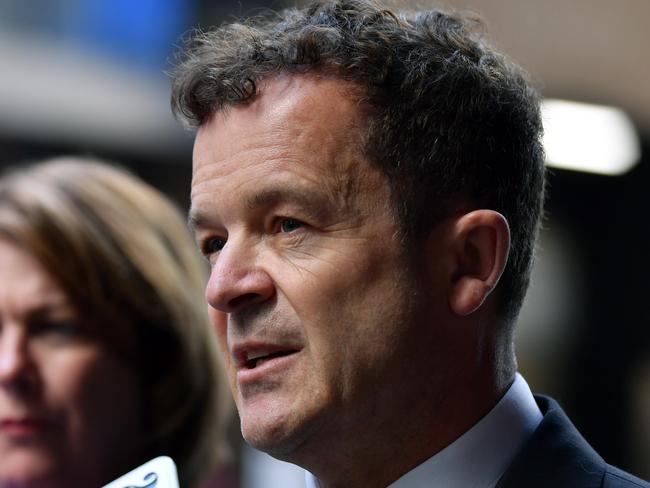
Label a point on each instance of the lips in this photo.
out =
(251, 356)
(260, 364)
(21, 427)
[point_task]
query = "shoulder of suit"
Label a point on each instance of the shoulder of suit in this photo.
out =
(616, 478)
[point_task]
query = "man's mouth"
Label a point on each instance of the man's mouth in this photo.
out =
(257, 363)
(257, 358)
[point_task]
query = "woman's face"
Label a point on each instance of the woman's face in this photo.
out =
(69, 407)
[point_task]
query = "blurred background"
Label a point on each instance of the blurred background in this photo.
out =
(86, 77)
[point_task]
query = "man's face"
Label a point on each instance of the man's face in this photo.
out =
(312, 295)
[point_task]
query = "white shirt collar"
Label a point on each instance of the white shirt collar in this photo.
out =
(479, 457)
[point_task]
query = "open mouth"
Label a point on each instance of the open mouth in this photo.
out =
(257, 359)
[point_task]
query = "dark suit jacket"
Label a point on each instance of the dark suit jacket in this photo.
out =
(557, 456)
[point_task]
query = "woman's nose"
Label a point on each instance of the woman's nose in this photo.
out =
(15, 356)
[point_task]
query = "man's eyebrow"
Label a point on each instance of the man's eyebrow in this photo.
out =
(314, 202)
(195, 219)
(274, 195)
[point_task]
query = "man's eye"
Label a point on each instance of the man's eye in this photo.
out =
(289, 225)
(213, 245)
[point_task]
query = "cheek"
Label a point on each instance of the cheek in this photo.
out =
(69, 378)
(356, 319)
(84, 386)
(219, 321)
(346, 300)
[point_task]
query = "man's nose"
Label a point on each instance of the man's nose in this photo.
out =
(15, 357)
(236, 280)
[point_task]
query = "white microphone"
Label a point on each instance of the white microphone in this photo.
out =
(160, 472)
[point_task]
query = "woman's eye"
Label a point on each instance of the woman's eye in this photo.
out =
(66, 328)
(289, 225)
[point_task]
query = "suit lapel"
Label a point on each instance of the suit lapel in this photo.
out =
(555, 456)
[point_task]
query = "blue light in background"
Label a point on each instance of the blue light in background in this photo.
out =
(141, 33)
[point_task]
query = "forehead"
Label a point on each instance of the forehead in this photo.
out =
(307, 126)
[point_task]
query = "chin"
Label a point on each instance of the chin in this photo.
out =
(269, 437)
(283, 436)
(28, 471)
(278, 435)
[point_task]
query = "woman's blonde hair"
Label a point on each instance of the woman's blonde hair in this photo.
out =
(122, 253)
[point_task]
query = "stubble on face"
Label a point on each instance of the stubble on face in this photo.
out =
(345, 295)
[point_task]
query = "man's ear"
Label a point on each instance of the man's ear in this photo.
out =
(481, 244)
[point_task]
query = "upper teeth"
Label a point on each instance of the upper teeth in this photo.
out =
(250, 356)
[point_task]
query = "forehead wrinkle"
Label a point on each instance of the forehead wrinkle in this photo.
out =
(296, 179)
(309, 200)
(331, 143)
(337, 130)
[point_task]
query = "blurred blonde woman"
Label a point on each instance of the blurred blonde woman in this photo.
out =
(106, 357)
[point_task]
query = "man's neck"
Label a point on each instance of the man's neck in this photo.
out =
(466, 462)
(359, 459)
